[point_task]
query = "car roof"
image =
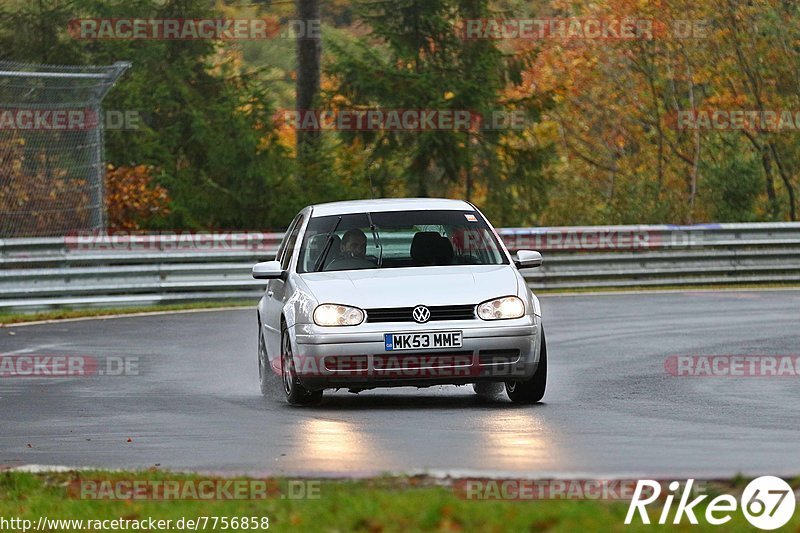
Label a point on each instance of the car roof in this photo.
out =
(389, 204)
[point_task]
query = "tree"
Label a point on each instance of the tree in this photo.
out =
(309, 52)
(415, 58)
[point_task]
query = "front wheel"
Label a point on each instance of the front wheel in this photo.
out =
(296, 393)
(531, 390)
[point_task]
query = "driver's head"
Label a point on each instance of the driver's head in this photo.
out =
(354, 243)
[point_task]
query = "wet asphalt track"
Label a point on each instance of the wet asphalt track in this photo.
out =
(610, 409)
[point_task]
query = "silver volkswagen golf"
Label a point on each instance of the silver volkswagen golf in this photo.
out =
(398, 292)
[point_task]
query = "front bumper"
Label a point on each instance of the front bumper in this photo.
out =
(355, 357)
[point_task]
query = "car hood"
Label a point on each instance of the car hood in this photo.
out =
(406, 287)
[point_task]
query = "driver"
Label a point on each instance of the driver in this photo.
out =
(354, 252)
(354, 244)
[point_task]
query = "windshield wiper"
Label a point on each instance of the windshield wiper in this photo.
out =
(377, 239)
(327, 247)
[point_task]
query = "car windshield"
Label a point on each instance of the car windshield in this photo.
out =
(398, 239)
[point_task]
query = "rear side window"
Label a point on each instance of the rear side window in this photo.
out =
(289, 243)
(285, 240)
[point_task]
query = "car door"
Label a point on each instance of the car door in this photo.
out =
(277, 290)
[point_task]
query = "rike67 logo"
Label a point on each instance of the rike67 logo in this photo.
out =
(767, 503)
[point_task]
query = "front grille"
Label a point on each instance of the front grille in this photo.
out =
(438, 312)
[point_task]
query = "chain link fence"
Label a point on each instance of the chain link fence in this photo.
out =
(51, 148)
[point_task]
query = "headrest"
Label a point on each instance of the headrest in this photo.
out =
(430, 248)
(336, 245)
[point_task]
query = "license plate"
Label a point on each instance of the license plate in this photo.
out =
(422, 341)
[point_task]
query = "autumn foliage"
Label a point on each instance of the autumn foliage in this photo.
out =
(132, 199)
(600, 142)
(613, 107)
(38, 196)
(41, 197)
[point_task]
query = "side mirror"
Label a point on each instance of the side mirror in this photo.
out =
(528, 259)
(268, 270)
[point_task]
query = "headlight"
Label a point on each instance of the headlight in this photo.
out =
(337, 315)
(501, 308)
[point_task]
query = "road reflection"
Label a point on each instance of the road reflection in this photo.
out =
(519, 440)
(333, 445)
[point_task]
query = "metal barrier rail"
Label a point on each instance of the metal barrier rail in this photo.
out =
(76, 271)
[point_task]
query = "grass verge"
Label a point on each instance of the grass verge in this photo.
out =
(372, 505)
(59, 314)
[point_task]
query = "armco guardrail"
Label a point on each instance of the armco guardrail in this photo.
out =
(91, 270)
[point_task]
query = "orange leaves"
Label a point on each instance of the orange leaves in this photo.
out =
(286, 135)
(132, 198)
(614, 103)
(38, 196)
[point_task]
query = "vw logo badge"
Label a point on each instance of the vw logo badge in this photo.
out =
(421, 314)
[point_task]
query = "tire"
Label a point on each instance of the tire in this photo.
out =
(531, 390)
(488, 391)
(296, 393)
